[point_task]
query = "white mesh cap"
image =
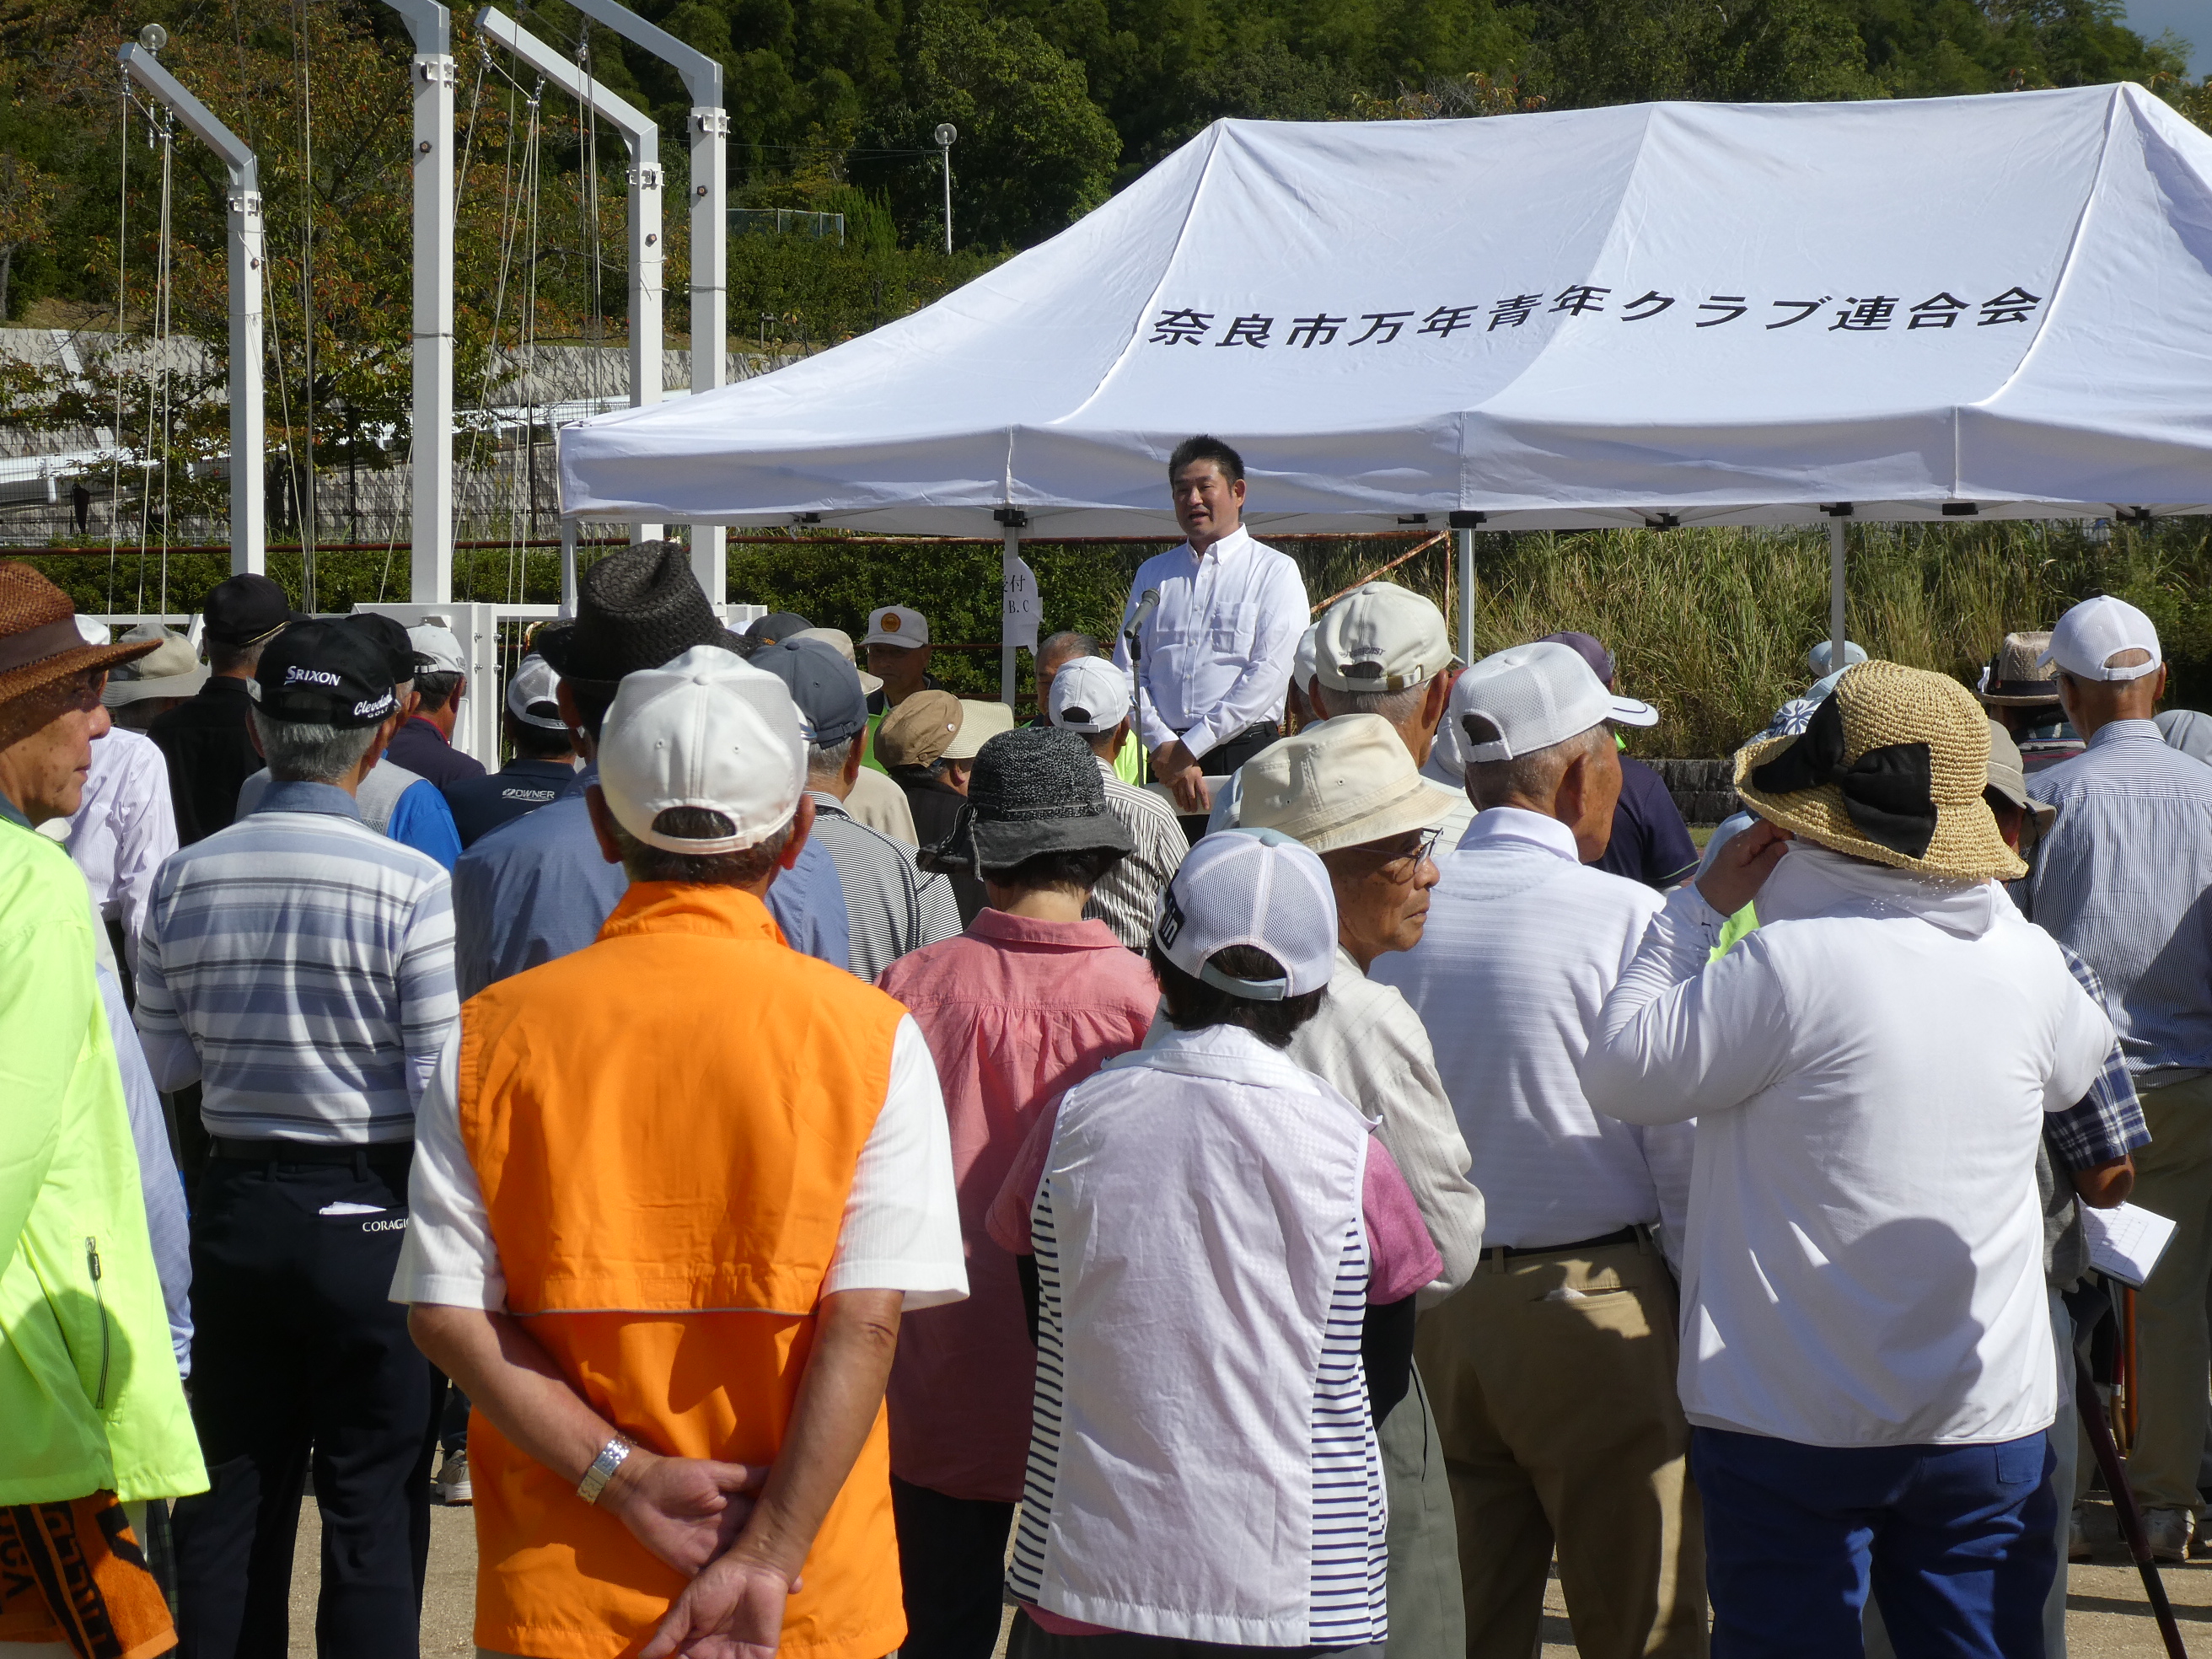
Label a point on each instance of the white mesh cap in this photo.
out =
(2097, 630)
(1089, 694)
(1255, 887)
(1535, 695)
(707, 729)
(533, 694)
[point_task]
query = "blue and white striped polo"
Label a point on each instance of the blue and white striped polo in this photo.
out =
(309, 961)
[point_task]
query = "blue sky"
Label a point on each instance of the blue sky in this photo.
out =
(2190, 19)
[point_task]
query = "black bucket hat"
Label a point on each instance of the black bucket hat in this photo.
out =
(1035, 789)
(637, 608)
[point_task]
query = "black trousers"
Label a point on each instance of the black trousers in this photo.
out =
(953, 1562)
(1225, 757)
(299, 1347)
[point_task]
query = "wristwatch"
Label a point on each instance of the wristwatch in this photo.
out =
(603, 1468)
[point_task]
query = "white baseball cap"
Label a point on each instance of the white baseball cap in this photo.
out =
(1089, 695)
(1255, 887)
(1535, 695)
(1381, 637)
(707, 729)
(437, 650)
(896, 625)
(532, 695)
(2097, 630)
(1340, 783)
(979, 722)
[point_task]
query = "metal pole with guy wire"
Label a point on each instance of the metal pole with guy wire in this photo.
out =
(430, 564)
(710, 229)
(642, 137)
(946, 133)
(248, 535)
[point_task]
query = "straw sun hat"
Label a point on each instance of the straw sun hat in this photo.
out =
(1891, 768)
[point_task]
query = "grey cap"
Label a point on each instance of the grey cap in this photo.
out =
(826, 688)
(1035, 789)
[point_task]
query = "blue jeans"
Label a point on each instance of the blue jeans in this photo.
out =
(1958, 1542)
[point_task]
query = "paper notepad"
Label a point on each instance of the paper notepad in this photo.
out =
(2125, 1242)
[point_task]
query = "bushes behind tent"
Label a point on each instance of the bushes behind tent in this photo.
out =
(1711, 625)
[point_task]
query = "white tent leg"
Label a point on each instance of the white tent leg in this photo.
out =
(568, 567)
(1009, 562)
(710, 282)
(1464, 542)
(1835, 594)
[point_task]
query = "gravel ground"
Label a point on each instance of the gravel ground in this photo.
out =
(2107, 1617)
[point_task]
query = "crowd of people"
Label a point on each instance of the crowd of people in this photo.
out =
(1274, 1153)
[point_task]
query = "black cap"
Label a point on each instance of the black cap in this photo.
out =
(245, 610)
(826, 688)
(777, 626)
(389, 635)
(326, 673)
(637, 608)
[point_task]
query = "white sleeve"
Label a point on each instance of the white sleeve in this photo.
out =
(447, 1256)
(142, 842)
(902, 1225)
(1257, 692)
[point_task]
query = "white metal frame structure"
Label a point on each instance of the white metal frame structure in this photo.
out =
(248, 531)
(641, 134)
(430, 565)
(709, 127)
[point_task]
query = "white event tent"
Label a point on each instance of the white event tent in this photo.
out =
(1692, 313)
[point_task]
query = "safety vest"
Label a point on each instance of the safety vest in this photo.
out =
(665, 1125)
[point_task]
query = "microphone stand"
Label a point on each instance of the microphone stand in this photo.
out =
(1137, 675)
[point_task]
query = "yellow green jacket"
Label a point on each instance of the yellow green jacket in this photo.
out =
(89, 1397)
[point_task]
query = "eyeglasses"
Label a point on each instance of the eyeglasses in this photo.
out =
(1400, 867)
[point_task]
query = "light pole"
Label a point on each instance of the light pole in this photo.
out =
(946, 132)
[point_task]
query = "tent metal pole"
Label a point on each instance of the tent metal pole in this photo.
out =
(430, 562)
(248, 478)
(568, 567)
(1463, 542)
(1009, 561)
(710, 228)
(1835, 545)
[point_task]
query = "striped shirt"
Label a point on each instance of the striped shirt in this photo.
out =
(890, 906)
(1127, 898)
(301, 966)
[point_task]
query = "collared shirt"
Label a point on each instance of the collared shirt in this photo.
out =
(2121, 877)
(881, 805)
(480, 805)
(1370, 1046)
(935, 806)
(1870, 1074)
(1651, 843)
(1522, 943)
(423, 749)
(1016, 1012)
(123, 829)
(300, 967)
(890, 906)
(539, 887)
(167, 1227)
(211, 753)
(1218, 651)
(1127, 899)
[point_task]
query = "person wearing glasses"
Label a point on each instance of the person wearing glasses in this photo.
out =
(1348, 789)
(1553, 1370)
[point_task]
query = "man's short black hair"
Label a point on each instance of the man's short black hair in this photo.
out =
(436, 690)
(1192, 1005)
(1085, 869)
(1205, 448)
(538, 742)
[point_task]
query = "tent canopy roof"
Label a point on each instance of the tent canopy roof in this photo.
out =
(1694, 312)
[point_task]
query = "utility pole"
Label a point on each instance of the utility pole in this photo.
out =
(248, 481)
(430, 564)
(642, 137)
(946, 132)
(710, 232)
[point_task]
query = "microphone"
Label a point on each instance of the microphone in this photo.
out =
(1147, 602)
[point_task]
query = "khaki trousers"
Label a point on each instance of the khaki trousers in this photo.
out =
(1423, 1593)
(2173, 1178)
(1553, 1381)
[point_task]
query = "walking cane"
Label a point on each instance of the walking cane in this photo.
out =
(2124, 1504)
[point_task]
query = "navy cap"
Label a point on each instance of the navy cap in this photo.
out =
(776, 627)
(245, 610)
(826, 688)
(324, 674)
(390, 636)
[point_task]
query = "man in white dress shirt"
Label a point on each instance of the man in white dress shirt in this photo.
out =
(1552, 1371)
(1216, 653)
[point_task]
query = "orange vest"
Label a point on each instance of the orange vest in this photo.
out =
(665, 1125)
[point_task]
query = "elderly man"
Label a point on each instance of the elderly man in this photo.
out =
(311, 1028)
(1059, 650)
(1091, 697)
(544, 761)
(874, 800)
(1219, 633)
(1348, 790)
(674, 1189)
(536, 888)
(891, 907)
(1868, 1354)
(2020, 687)
(139, 693)
(2123, 879)
(79, 1289)
(424, 743)
(1382, 649)
(898, 652)
(1029, 1001)
(204, 737)
(1651, 843)
(1553, 1371)
(123, 829)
